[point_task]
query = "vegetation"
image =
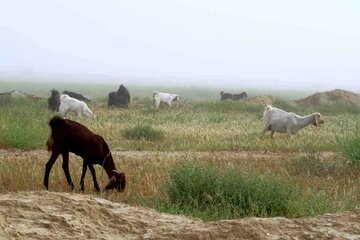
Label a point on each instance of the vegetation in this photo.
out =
(350, 146)
(203, 158)
(202, 191)
(143, 132)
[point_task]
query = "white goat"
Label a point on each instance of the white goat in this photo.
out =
(69, 104)
(159, 97)
(278, 120)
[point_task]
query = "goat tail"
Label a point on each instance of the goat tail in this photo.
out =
(49, 143)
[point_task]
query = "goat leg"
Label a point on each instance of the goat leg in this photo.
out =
(65, 167)
(48, 167)
(84, 168)
(92, 170)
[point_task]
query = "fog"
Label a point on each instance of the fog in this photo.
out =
(231, 43)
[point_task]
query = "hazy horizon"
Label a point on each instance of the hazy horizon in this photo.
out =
(231, 44)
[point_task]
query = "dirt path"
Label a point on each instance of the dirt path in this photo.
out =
(145, 155)
(51, 215)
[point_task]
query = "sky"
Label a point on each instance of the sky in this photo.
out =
(231, 43)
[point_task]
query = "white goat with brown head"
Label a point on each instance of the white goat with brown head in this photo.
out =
(278, 120)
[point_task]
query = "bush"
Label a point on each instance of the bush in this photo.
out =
(144, 132)
(204, 192)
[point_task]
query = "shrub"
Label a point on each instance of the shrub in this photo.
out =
(144, 132)
(204, 192)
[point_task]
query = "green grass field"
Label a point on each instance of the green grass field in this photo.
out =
(238, 172)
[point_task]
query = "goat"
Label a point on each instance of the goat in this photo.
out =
(54, 100)
(278, 120)
(70, 136)
(77, 96)
(167, 98)
(234, 97)
(69, 104)
(121, 98)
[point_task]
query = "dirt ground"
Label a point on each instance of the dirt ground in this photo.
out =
(55, 215)
(51, 215)
(330, 97)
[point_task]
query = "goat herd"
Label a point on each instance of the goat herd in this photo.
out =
(71, 136)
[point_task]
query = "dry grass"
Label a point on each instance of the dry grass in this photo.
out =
(215, 134)
(148, 171)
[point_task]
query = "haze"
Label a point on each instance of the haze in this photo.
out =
(230, 43)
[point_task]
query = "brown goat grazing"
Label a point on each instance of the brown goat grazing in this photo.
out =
(70, 136)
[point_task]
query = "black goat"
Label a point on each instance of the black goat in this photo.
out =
(121, 98)
(78, 96)
(234, 97)
(54, 100)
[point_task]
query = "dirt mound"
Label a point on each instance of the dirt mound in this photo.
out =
(330, 97)
(50, 215)
(260, 100)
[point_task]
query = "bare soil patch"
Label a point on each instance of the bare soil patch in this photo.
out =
(52, 215)
(260, 100)
(339, 96)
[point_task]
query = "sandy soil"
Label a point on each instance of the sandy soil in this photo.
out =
(330, 97)
(51, 215)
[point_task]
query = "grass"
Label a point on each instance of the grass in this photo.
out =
(212, 181)
(350, 147)
(144, 132)
(197, 126)
(203, 192)
(237, 172)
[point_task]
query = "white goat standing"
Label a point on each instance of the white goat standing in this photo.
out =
(159, 97)
(69, 104)
(278, 120)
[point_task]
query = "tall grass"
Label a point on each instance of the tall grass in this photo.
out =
(204, 192)
(349, 145)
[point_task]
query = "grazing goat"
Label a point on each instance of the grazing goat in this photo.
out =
(70, 136)
(77, 96)
(159, 97)
(234, 97)
(54, 100)
(278, 120)
(121, 98)
(69, 104)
